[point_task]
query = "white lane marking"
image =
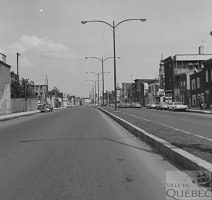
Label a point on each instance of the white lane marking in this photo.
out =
(168, 126)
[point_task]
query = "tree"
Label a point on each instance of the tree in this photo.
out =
(22, 88)
(56, 92)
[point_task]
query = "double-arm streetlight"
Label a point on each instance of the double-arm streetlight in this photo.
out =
(114, 26)
(102, 60)
(94, 96)
(97, 74)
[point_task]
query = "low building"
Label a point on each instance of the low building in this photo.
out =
(5, 89)
(140, 90)
(41, 91)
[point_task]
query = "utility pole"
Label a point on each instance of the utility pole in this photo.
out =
(18, 54)
(47, 87)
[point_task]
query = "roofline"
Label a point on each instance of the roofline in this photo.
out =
(207, 61)
(5, 64)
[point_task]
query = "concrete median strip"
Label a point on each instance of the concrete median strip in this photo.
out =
(176, 155)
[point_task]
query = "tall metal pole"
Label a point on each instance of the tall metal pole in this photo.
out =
(114, 57)
(114, 27)
(18, 54)
(98, 88)
(95, 94)
(47, 88)
(102, 81)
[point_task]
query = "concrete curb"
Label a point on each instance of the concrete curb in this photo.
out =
(17, 115)
(199, 111)
(176, 155)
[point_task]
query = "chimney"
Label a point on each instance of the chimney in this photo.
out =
(3, 57)
(201, 50)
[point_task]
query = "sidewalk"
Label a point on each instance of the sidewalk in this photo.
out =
(16, 115)
(198, 110)
(22, 114)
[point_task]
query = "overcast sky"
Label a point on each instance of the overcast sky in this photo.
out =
(52, 41)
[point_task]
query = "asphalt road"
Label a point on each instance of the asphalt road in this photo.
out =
(192, 123)
(77, 154)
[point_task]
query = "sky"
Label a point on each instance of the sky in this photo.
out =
(53, 42)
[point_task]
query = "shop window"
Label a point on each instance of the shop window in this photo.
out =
(198, 82)
(193, 85)
(206, 76)
(194, 100)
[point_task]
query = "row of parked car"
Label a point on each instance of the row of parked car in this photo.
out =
(174, 106)
(129, 105)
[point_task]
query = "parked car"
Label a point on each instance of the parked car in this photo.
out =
(40, 106)
(165, 106)
(151, 106)
(177, 106)
(135, 105)
(158, 106)
(162, 106)
(46, 108)
(123, 105)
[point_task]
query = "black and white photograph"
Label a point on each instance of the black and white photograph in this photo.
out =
(105, 100)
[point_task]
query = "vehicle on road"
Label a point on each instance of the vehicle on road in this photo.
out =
(124, 105)
(151, 106)
(162, 106)
(46, 108)
(135, 105)
(40, 106)
(174, 106)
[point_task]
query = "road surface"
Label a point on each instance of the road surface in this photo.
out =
(194, 123)
(77, 154)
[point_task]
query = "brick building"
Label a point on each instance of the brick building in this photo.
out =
(139, 90)
(201, 85)
(177, 85)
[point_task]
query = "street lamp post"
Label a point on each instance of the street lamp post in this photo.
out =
(102, 60)
(94, 96)
(114, 26)
(97, 74)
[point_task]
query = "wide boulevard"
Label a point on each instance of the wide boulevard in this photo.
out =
(77, 153)
(188, 122)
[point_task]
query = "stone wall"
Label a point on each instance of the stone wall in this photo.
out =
(20, 105)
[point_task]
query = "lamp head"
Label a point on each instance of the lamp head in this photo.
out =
(143, 20)
(83, 22)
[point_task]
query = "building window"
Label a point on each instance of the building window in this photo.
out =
(206, 76)
(198, 82)
(193, 85)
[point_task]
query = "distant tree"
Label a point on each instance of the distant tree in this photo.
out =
(56, 92)
(22, 88)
